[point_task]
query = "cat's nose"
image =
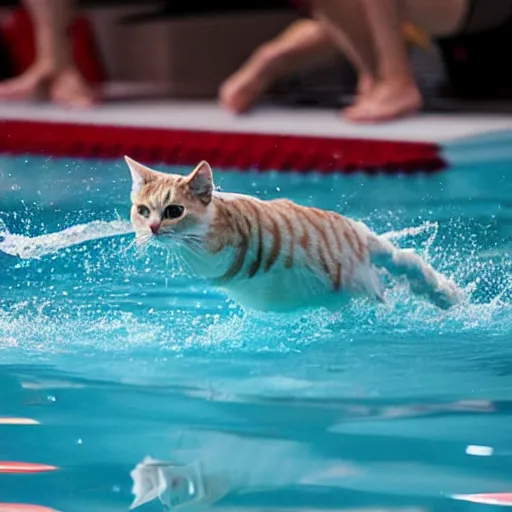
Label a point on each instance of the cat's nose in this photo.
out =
(155, 226)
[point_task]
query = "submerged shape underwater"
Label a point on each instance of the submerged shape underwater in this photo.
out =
(122, 356)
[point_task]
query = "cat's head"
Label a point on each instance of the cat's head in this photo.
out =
(164, 205)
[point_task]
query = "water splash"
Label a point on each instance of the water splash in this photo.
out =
(412, 232)
(122, 303)
(27, 247)
(4, 232)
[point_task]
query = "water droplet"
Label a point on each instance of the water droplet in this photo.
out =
(3, 231)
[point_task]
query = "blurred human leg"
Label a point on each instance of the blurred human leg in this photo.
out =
(53, 71)
(346, 23)
(303, 44)
(396, 93)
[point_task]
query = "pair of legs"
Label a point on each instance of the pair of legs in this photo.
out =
(369, 33)
(53, 73)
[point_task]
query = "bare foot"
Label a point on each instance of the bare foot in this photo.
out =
(64, 86)
(242, 89)
(365, 85)
(29, 85)
(387, 101)
(68, 88)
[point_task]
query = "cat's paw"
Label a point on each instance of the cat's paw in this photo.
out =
(446, 295)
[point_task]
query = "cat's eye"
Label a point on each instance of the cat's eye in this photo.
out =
(143, 210)
(173, 211)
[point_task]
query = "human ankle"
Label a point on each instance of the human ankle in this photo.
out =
(45, 67)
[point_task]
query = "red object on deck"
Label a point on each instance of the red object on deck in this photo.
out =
(18, 34)
(24, 467)
(240, 151)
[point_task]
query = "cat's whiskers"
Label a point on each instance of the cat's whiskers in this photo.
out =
(129, 247)
(139, 241)
(193, 241)
(176, 264)
(178, 259)
(142, 242)
(177, 241)
(180, 256)
(197, 245)
(166, 231)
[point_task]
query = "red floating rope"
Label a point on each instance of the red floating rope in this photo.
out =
(241, 151)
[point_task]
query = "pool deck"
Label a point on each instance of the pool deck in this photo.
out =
(207, 115)
(307, 137)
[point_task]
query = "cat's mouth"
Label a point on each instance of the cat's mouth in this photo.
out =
(148, 237)
(160, 240)
(161, 232)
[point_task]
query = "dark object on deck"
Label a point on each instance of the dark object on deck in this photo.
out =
(6, 64)
(478, 65)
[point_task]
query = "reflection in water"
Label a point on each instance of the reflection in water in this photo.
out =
(173, 484)
(503, 499)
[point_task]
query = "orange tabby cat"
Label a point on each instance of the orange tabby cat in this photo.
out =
(272, 255)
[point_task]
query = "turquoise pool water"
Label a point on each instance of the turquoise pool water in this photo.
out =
(120, 355)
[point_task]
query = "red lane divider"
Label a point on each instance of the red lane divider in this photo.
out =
(241, 151)
(25, 467)
(24, 507)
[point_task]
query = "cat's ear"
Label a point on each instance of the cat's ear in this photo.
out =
(200, 182)
(140, 174)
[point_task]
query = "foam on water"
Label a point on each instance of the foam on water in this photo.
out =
(35, 247)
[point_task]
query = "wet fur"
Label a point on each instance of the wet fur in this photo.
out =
(274, 255)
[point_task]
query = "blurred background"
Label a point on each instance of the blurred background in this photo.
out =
(187, 49)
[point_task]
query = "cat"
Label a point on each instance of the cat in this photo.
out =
(272, 255)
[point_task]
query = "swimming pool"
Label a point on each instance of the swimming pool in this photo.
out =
(119, 355)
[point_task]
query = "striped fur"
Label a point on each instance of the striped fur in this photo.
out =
(274, 255)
